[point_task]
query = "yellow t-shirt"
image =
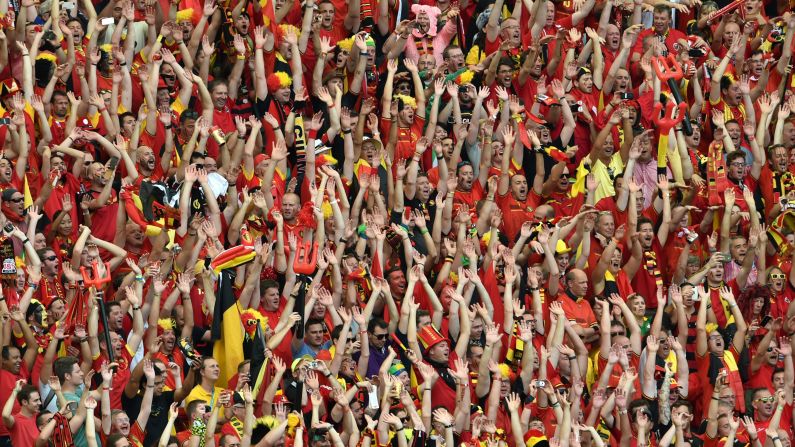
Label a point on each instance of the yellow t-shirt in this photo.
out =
(199, 393)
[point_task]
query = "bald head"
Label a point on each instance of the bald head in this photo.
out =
(577, 282)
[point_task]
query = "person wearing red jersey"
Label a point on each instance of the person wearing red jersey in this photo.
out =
(712, 356)
(120, 421)
(661, 30)
(122, 352)
(22, 424)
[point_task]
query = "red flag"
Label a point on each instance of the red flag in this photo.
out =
(269, 16)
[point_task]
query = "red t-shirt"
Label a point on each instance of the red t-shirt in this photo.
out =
(120, 377)
(103, 221)
(515, 212)
(7, 383)
(24, 431)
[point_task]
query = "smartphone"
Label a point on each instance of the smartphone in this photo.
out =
(8, 228)
(695, 52)
(765, 320)
(106, 21)
(114, 161)
(49, 35)
(541, 383)
(5, 121)
(627, 95)
(68, 5)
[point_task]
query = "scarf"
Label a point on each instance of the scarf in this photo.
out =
(653, 268)
(62, 435)
(716, 174)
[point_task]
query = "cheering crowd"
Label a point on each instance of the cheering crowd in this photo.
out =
(404, 223)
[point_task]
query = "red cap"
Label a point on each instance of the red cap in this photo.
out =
(260, 158)
(430, 337)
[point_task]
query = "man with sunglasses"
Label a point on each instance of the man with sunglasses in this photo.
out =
(49, 287)
(765, 405)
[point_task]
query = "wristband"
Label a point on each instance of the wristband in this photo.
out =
(448, 259)
(424, 231)
(343, 240)
(136, 308)
(25, 241)
(160, 38)
(33, 286)
(2, 298)
(150, 386)
(139, 278)
(327, 375)
(123, 64)
(346, 131)
(167, 127)
(240, 57)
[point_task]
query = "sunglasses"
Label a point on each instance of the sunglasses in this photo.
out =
(17, 200)
(51, 258)
(770, 349)
(777, 276)
(616, 334)
(380, 336)
(767, 400)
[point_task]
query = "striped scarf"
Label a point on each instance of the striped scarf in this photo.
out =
(652, 267)
(62, 435)
(716, 173)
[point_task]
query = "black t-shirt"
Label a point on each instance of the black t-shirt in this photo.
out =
(158, 418)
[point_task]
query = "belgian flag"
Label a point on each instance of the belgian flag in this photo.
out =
(227, 329)
(258, 361)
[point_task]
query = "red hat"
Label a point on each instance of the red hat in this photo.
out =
(535, 438)
(536, 119)
(8, 87)
(260, 158)
(280, 398)
(430, 337)
(161, 84)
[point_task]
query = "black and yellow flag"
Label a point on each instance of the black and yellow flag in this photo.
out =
(227, 329)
